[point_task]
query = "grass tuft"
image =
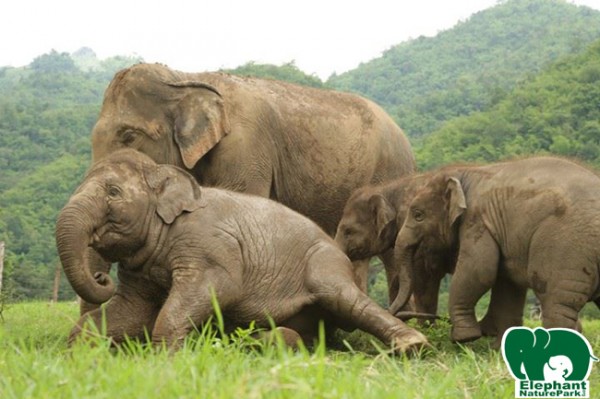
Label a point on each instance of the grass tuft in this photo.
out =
(36, 363)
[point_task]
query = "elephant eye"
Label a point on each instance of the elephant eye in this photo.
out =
(129, 136)
(418, 214)
(113, 191)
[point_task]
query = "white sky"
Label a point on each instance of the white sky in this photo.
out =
(321, 36)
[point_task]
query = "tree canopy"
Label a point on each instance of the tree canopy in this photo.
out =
(556, 111)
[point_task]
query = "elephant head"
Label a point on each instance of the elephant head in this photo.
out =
(171, 116)
(368, 226)
(553, 355)
(117, 209)
(425, 248)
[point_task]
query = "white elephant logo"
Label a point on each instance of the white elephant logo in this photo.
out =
(558, 368)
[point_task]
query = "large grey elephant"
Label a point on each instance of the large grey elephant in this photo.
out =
(306, 148)
(531, 223)
(178, 245)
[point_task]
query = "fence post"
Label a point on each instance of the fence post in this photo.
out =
(56, 283)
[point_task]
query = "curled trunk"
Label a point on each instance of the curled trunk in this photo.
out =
(74, 229)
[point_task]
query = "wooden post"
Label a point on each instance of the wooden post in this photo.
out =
(1, 262)
(56, 283)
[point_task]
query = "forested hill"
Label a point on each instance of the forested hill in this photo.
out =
(470, 67)
(557, 111)
(47, 111)
(499, 67)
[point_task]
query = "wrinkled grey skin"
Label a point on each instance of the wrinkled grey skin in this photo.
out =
(370, 223)
(304, 147)
(369, 227)
(531, 223)
(177, 243)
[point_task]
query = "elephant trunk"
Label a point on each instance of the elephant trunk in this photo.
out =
(341, 243)
(404, 256)
(74, 232)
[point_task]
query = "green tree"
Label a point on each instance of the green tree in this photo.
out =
(288, 72)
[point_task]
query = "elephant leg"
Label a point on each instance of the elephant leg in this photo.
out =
(560, 308)
(558, 274)
(505, 309)
(335, 291)
(124, 315)
(475, 274)
(189, 304)
(290, 338)
(97, 265)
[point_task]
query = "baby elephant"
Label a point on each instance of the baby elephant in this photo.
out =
(178, 245)
(370, 223)
(531, 223)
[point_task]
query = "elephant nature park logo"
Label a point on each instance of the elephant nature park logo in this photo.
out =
(548, 363)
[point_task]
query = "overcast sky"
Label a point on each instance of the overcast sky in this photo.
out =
(321, 36)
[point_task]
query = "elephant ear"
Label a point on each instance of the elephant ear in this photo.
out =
(176, 191)
(455, 198)
(200, 120)
(385, 218)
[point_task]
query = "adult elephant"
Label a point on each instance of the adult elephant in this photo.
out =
(304, 147)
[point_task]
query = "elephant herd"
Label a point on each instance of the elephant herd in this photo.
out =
(269, 199)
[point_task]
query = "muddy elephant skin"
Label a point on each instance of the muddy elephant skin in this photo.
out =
(177, 244)
(530, 223)
(369, 226)
(304, 147)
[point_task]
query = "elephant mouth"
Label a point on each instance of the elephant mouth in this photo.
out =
(358, 253)
(106, 242)
(99, 236)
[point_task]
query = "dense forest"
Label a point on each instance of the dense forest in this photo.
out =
(428, 80)
(47, 111)
(556, 111)
(519, 78)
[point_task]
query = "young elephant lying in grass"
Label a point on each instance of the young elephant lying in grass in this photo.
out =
(178, 244)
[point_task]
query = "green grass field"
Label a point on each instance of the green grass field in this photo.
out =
(36, 363)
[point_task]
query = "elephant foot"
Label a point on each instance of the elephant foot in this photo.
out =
(465, 334)
(497, 343)
(286, 336)
(409, 342)
(488, 327)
